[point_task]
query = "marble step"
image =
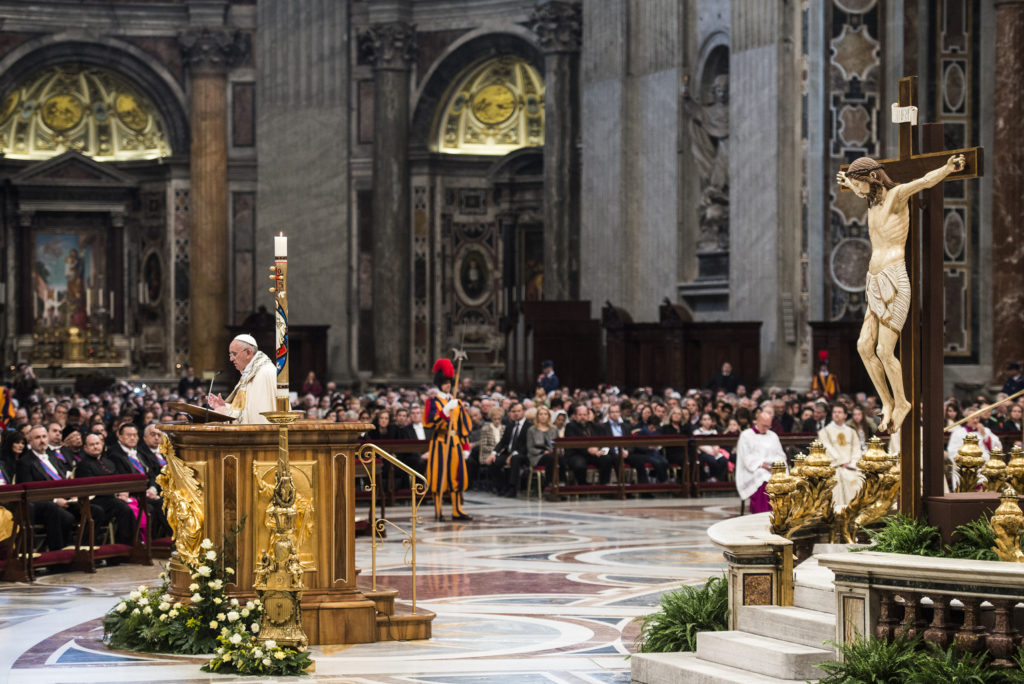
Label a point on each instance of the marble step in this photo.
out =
(762, 655)
(821, 598)
(674, 668)
(798, 625)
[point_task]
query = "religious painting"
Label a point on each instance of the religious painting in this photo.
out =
(473, 276)
(67, 277)
(533, 263)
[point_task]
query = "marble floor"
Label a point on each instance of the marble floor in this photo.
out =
(526, 593)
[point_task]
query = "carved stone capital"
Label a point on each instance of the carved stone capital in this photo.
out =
(211, 49)
(389, 46)
(558, 25)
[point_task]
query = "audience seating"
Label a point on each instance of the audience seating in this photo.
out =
(20, 562)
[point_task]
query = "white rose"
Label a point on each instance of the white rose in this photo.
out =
(217, 585)
(236, 638)
(193, 587)
(134, 596)
(211, 555)
(135, 612)
(280, 655)
(220, 616)
(224, 631)
(147, 611)
(207, 544)
(257, 653)
(257, 602)
(178, 605)
(255, 627)
(165, 606)
(227, 657)
(213, 624)
(270, 643)
(250, 605)
(121, 607)
(266, 661)
(173, 614)
(196, 598)
(232, 616)
(204, 570)
(234, 602)
(142, 588)
(218, 601)
(143, 601)
(163, 618)
(230, 571)
(245, 612)
(166, 598)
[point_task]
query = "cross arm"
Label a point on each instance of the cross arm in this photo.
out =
(904, 170)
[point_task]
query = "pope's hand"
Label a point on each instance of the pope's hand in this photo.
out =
(215, 401)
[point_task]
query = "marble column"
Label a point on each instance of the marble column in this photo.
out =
(1008, 189)
(391, 48)
(209, 53)
(559, 28)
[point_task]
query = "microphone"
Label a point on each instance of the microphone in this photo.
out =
(210, 391)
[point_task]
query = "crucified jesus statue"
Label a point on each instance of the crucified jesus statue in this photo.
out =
(888, 288)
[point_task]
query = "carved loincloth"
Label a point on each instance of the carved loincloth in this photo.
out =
(888, 295)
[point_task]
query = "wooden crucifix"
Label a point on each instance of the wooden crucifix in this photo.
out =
(920, 334)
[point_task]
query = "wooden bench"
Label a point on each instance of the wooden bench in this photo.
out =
(21, 563)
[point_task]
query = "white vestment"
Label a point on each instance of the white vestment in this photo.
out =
(842, 444)
(254, 392)
(752, 450)
(986, 440)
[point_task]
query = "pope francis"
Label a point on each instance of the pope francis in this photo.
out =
(255, 390)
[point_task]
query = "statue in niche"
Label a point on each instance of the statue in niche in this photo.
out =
(709, 136)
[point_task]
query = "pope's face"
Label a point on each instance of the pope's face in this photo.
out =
(239, 354)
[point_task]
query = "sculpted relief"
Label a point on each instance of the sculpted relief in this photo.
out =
(708, 124)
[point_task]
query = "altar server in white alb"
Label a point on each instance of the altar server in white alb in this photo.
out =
(842, 444)
(255, 390)
(756, 450)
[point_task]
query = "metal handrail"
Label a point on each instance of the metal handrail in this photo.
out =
(367, 455)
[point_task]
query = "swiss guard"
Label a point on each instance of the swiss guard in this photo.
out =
(449, 419)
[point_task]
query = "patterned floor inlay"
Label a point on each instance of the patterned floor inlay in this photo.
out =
(528, 593)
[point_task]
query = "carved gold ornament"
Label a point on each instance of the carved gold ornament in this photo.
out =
(10, 104)
(183, 504)
(968, 459)
(802, 499)
(89, 109)
(129, 111)
(493, 104)
(1008, 523)
(62, 112)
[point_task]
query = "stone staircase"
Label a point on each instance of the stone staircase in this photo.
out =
(771, 644)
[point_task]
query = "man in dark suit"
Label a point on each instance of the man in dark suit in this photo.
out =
(95, 463)
(725, 380)
(511, 449)
(577, 460)
(133, 460)
(36, 465)
(818, 420)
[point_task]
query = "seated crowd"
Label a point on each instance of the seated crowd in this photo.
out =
(117, 432)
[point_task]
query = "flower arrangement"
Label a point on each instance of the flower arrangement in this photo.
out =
(150, 620)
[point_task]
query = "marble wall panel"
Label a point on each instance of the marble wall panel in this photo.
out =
(754, 212)
(302, 129)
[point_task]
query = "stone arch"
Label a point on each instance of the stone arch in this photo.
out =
(131, 62)
(468, 49)
(712, 61)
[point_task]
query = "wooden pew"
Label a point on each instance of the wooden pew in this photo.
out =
(83, 557)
